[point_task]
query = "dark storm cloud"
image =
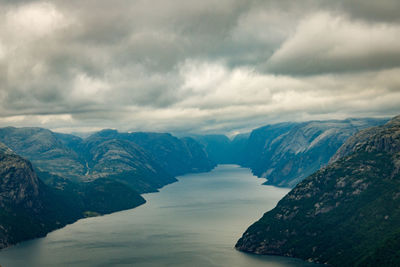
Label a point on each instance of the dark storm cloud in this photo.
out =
(196, 66)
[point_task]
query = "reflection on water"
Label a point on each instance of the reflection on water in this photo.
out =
(194, 222)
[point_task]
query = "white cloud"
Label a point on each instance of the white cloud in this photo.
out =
(34, 20)
(88, 88)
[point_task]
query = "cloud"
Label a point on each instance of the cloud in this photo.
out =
(370, 10)
(34, 20)
(325, 43)
(195, 66)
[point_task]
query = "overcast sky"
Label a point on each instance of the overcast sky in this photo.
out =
(210, 66)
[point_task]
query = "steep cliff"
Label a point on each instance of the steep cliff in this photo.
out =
(30, 208)
(346, 214)
(287, 153)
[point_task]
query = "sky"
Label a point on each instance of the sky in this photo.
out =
(184, 66)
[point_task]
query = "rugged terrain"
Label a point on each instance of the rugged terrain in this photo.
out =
(45, 150)
(30, 208)
(143, 161)
(176, 156)
(285, 153)
(72, 178)
(346, 214)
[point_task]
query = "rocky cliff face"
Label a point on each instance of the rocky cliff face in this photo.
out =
(23, 202)
(381, 138)
(346, 214)
(287, 153)
(19, 183)
(29, 208)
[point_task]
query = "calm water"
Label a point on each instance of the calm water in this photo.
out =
(194, 222)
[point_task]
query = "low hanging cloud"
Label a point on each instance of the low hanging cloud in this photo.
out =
(196, 67)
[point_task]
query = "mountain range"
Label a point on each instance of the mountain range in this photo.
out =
(66, 177)
(144, 161)
(285, 153)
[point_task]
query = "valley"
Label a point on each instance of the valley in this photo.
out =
(71, 178)
(192, 222)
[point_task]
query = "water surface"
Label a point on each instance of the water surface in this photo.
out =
(193, 222)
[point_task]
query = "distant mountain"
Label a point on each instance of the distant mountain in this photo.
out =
(144, 161)
(221, 149)
(260, 143)
(286, 153)
(200, 159)
(123, 161)
(239, 145)
(176, 156)
(346, 214)
(46, 150)
(30, 208)
(217, 146)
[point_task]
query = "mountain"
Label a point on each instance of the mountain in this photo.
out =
(238, 145)
(286, 153)
(201, 160)
(45, 149)
(143, 161)
(27, 206)
(221, 149)
(72, 178)
(123, 161)
(30, 208)
(217, 146)
(259, 143)
(346, 214)
(176, 156)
